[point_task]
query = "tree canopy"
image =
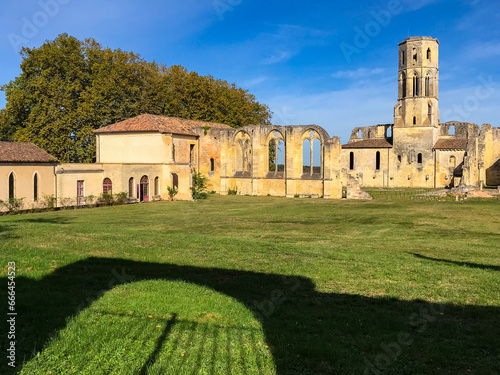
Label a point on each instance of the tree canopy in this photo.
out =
(69, 88)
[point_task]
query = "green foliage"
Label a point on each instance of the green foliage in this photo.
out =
(205, 129)
(232, 191)
(120, 199)
(272, 155)
(105, 200)
(49, 201)
(13, 205)
(200, 183)
(172, 192)
(69, 88)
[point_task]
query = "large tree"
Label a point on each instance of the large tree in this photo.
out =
(69, 88)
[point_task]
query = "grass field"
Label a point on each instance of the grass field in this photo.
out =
(256, 285)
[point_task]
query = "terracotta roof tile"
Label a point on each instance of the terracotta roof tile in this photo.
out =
(161, 124)
(451, 144)
(369, 143)
(23, 152)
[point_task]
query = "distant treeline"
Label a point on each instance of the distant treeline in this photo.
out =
(69, 88)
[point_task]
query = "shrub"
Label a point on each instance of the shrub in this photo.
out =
(105, 199)
(90, 200)
(200, 182)
(232, 191)
(120, 199)
(172, 192)
(13, 205)
(49, 201)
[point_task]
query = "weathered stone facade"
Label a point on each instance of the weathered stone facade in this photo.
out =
(145, 155)
(417, 151)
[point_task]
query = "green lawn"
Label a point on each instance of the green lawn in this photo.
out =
(256, 285)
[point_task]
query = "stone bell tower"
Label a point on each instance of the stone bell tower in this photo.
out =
(418, 83)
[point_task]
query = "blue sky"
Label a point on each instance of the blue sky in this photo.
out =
(290, 55)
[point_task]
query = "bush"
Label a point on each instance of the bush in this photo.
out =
(13, 205)
(172, 192)
(90, 200)
(200, 182)
(120, 199)
(232, 191)
(49, 201)
(105, 199)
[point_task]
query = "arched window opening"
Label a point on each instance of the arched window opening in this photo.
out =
(419, 158)
(414, 120)
(388, 132)
(12, 186)
(451, 130)
(311, 154)
(403, 78)
(212, 164)
(360, 134)
(429, 54)
(416, 85)
(191, 154)
(377, 161)
(175, 181)
(351, 161)
(402, 57)
(144, 189)
(276, 155)
(35, 187)
(157, 186)
(316, 157)
(400, 158)
(415, 56)
(453, 162)
(243, 153)
(369, 134)
(429, 113)
(107, 186)
(131, 187)
(306, 157)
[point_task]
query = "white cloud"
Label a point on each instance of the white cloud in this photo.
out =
(254, 82)
(357, 74)
(411, 5)
(279, 56)
(483, 50)
(338, 112)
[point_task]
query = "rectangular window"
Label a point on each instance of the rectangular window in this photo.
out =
(79, 192)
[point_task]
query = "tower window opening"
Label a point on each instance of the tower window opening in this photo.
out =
(429, 54)
(428, 86)
(419, 158)
(351, 161)
(416, 85)
(403, 78)
(415, 56)
(414, 120)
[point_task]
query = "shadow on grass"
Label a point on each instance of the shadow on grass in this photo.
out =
(463, 264)
(307, 332)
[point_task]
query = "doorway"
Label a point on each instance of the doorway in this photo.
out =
(144, 189)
